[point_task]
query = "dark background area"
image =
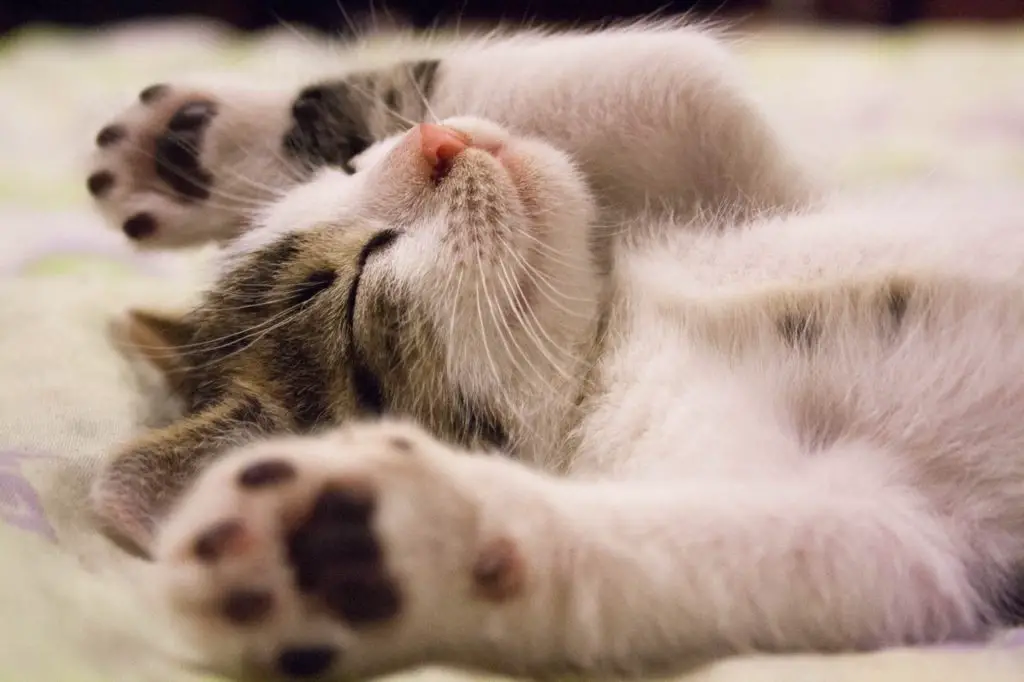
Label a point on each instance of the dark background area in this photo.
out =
(327, 15)
(330, 15)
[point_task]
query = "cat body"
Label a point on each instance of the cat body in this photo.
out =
(585, 378)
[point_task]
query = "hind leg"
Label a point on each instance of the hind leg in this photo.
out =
(182, 165)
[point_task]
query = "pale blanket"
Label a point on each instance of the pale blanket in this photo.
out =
(931, 106)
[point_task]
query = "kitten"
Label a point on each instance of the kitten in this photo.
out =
(798, 435)
(610, 448)
(651, 114)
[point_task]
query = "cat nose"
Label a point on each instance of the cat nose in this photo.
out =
(441, 144)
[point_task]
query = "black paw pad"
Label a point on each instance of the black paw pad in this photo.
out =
(362, 599)
(153, 93)
(350, 504)
(306, 661)
(330, 125)
(110, 135)
(139, 226)
(99, 183)
(191, 117)
(267, 473)
(177, 151)
(337, 558)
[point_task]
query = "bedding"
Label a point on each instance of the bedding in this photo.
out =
(933, 105)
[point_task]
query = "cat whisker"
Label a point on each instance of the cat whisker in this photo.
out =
(532, 335)
(544, 286)
(531, 325)
(479, 284)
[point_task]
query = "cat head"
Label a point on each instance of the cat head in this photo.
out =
(456, 279)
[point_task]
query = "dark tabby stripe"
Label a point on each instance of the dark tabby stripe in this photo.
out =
(366, 385)
(897, 301)
(799, 330)
(424, 76)
(251, 411)
(476, 423)
(303, 380)
(1009, 604)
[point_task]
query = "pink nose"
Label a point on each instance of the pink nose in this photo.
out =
(441, 144)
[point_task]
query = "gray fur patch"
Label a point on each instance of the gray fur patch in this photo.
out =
(334, 121)
(799, 331)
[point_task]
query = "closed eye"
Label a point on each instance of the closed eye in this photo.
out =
(316, 283)
(377, 242)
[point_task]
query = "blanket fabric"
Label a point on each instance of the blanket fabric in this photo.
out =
(930, 106)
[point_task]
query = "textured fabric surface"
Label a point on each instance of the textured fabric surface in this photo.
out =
(934, 106)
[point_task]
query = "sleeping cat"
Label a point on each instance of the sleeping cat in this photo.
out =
(583, 427)
(666, 127)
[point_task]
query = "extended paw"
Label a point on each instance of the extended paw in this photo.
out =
(357, 552)
(183, 166)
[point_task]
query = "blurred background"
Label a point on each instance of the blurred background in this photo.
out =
(328, 15)
(877, 93)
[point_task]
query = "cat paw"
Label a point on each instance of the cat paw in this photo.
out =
(359, 552)
(183, 166)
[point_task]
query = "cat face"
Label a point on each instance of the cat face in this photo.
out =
(454, 279)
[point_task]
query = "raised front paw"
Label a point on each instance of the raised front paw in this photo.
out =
(183, 166)
(359, 552)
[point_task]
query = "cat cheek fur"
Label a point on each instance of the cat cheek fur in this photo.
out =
(501, 255)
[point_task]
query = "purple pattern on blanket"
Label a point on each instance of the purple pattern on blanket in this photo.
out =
(20, 505)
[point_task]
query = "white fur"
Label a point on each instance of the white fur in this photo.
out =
(721, 491)
(654, 114)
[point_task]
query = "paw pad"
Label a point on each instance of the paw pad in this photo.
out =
(99, 183)
(305, 662)
(110, 135)
(177, 151)
(337, 557)
(153, 93)
(155, 158)
(498, 571)
(139, 226)
(306, 108)
(310, 565)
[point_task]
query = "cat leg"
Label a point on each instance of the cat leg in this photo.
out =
(136, 488)
(374, 548)
(186, 165)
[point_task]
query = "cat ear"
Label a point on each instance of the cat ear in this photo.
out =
(161, 338)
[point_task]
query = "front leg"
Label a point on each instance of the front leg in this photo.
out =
(375, 548)
(359, 552)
